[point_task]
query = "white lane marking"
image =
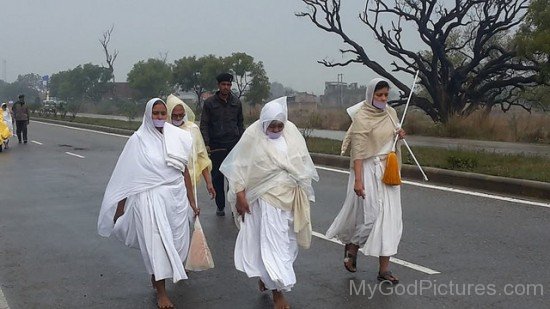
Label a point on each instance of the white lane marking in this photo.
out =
(412, 183)
(38, 143)
(454, 190)
(3, 301)
(74, 154)
(81, 129)
(496, 197)
(416, 267)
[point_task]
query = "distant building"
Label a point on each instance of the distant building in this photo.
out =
(342, 94)
(302, 99)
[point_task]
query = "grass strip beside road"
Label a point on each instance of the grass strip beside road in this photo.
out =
(480, 162)
(512, 166)
(111, 123)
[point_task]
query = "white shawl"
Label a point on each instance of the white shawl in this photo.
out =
(141, 166)
(177, 144)
(256, 166)
(6, 115)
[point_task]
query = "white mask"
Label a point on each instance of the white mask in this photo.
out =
(379, 104)
(274, 135)
(159, 123)
(178, 123)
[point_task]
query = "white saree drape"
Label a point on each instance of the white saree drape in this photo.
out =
(8, 120)
(276, 176)
(374, 223)
(156, 215)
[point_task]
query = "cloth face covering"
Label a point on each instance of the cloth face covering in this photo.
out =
(178, 123)
(379, 104)
(159, 123)
(274, 135)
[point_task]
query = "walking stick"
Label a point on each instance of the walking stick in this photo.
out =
(391, 174)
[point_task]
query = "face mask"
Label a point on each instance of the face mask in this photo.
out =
(178, 123)
(159, 123)
(274, 135)
(379, 104)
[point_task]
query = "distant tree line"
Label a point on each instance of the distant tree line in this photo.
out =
(90, 84)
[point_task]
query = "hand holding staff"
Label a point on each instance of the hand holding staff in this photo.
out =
(391, 171)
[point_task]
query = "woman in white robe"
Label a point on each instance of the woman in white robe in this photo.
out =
(270, 173)
(181, 116)
(146, 203)
(371, 215)
(7, 126)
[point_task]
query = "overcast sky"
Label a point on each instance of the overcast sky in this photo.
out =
(44, 37)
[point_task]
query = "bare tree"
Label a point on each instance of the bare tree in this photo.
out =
(468, 62)
(109, 57)
(163, 56)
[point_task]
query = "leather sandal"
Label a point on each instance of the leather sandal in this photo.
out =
(388, 277)
(350, 256)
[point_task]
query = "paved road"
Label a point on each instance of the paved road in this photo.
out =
(51, 256)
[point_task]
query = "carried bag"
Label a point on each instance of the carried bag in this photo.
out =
(199, 257)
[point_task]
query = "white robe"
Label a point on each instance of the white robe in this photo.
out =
(149, 176)
(266, 246)
(374, 223)
(6, 116)
(156, 221)
(276, 176)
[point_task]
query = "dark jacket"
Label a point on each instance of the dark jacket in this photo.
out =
(20, 111)
(222, 122)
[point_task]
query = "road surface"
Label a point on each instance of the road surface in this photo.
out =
(491, 252)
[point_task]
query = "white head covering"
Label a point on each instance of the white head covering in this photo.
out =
(141, 166)
(369, 93)
(371, 128)
(172, 101)
(256, 166)
(274, 110)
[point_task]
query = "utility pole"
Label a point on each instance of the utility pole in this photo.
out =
(341, 85)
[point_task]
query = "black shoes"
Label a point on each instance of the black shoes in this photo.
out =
(220, 213)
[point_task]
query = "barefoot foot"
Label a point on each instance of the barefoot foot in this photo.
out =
(280, 301)
(261, 286)
(163, 302)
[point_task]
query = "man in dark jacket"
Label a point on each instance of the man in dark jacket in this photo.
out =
(21, 115)
(221, 127)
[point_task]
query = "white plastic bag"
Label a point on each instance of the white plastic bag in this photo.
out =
(199, 257)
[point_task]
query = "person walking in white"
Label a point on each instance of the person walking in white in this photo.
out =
(371, 214)
(148, 201)
(270, 173)
(7, 120)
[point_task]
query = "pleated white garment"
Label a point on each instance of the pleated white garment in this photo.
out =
(266, 246)
(374, 223)
(156, 221)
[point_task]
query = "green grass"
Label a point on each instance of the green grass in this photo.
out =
(112, 123)
(513, 166)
